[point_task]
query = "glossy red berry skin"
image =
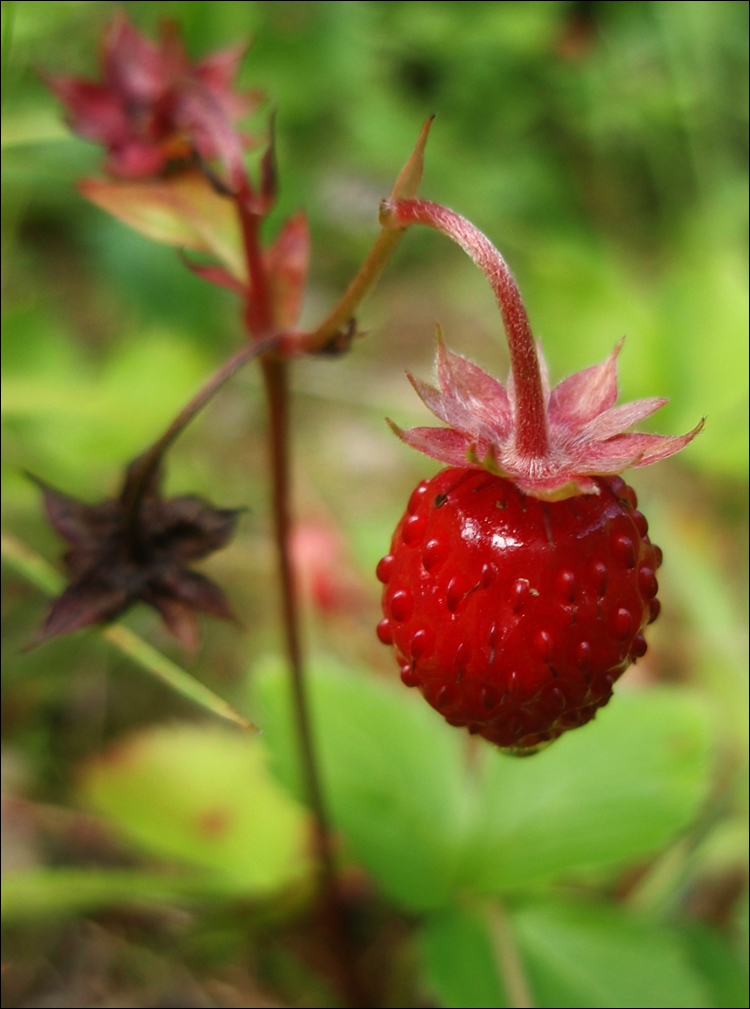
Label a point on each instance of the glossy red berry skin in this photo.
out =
(512, 615)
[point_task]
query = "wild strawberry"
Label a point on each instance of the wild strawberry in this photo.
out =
(521, 578)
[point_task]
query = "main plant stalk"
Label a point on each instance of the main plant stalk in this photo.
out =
(260, 323)
(275, 373)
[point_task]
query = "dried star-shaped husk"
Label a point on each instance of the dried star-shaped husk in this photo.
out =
(137, 548)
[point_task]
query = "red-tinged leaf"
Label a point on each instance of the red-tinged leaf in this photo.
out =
(583, 396)
(449, 408)
(218, 71)
(287, 262)
(131, 63)
(476, 391)
(183, 210)
(202, 114)
(654, 447)
(214, 217)
(434, 399)
(152, 109)
(148, 207)
(439, 443)
(94, 112)
(134, 159)
(619, 418)
(217, 276)
(603, 458)
(173, 57)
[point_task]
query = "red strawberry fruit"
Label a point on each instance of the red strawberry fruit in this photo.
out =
(521, 578)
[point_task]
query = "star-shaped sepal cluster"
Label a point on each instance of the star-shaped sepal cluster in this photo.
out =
(138, 546)
(585, 429)
(152, 106)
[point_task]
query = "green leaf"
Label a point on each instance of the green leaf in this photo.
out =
(458, 959)
(618, 788)
(581, 955)
(202, 796)
(396, 783)
(717, 962)
(42, 893)
(392, 775)
(574, 954)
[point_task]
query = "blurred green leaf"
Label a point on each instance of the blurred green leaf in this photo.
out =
(52, 892)
(202, 796)
(8, 19)
(33, 126)
(581, 955)
(575, 955)
(717, 962)
(61, 414)
(701, 333)
(458, 959)
(716, 613)
(392, 773)
(616, 789)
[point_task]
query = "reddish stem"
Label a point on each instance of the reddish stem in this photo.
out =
(260, 322)
(258, 306)
(532, 440)
(275, 373)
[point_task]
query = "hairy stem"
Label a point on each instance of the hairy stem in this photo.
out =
(258, 307)
(275, 373)
(340, 317)
(532, 439)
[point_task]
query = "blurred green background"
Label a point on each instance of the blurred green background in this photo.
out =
(603, 148)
